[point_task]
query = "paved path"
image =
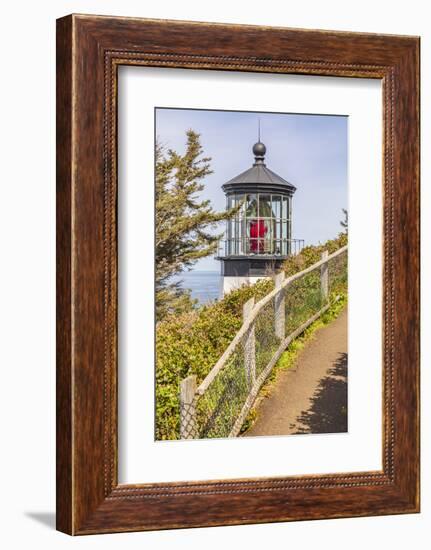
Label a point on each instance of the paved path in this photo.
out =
(311, 397)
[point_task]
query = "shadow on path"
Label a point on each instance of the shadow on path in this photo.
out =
(328, 410)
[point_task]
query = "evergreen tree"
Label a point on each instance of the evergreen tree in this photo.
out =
(345, 223)
(184, 223)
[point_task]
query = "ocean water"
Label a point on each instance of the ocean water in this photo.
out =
(204, 285)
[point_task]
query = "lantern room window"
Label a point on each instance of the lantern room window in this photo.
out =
(261, 227)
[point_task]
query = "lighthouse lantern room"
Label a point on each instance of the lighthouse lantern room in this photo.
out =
(258, 237)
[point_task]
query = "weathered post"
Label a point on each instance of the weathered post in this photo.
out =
(324, 279)
(188, 408)
(249, 345)
(279, 305)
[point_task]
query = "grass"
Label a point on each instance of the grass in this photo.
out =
(289, 357)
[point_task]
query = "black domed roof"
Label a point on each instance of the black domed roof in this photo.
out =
(259, 178)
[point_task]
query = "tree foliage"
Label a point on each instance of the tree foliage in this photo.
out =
(345, 223)
(185, 224)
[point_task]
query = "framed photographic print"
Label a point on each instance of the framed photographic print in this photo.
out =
(237, 274)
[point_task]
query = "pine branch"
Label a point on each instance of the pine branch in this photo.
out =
(185, 223)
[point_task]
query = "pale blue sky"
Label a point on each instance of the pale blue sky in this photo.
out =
(309, 151)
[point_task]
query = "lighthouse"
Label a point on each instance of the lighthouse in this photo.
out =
(259, 237)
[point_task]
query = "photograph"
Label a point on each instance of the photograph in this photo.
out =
(251, 273)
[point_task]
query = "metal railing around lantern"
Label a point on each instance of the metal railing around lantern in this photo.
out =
(221, 403)
(246, 246)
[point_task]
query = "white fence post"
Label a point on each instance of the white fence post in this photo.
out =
(324, 280)
(249, 345)
(279, 304)
(188, 408)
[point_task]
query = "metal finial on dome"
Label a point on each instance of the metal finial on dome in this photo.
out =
(259, 151)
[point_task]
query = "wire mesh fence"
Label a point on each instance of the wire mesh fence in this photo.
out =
(267, 342)
(218, 407)
(303, 298)
(221, 404)
(337, 274)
